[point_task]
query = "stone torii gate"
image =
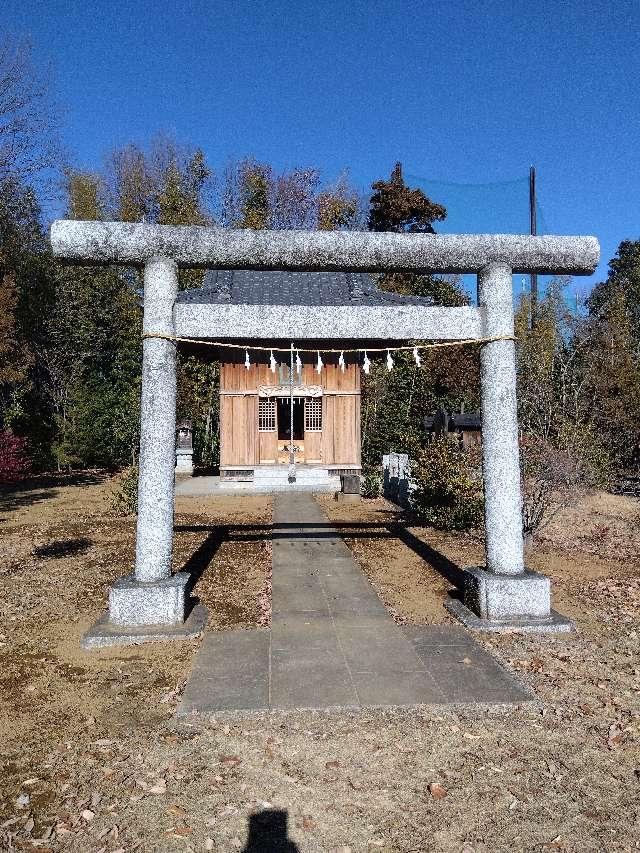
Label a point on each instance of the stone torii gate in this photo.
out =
(502, 595)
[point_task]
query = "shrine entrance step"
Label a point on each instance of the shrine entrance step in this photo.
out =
(269, 480)
(332, 642)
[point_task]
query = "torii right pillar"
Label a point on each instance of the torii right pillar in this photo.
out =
(503, 595)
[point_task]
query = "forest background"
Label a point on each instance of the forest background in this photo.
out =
(70, 337)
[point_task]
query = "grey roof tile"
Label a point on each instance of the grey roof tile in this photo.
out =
(256, 287)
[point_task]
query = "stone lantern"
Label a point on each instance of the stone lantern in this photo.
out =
(184, 449)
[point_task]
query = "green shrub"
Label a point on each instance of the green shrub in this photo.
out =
(124, 499)
(371, 484)
(448, 486)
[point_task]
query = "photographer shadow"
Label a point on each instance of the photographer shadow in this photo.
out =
(268, 833)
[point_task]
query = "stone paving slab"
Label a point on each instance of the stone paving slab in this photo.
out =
(465, 672)
(332, 642)
(299, 632)
(230, 673)
(312, 684)
(437, 635)
(380, 689)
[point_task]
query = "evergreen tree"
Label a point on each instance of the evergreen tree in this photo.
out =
(395, 403)
(624, 276)
(396, 207)
(93, 353)
(612, 362)
(28, 293)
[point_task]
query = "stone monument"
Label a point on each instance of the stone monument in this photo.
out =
(184, 449)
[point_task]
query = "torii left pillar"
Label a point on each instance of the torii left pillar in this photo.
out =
(152, 603)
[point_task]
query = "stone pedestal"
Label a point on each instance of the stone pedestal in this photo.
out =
(347, 498)
(494, 596)
(146, 611)
(503, 603)
(160, 602)
(184, 462)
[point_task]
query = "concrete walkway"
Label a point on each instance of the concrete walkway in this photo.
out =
(332, 642)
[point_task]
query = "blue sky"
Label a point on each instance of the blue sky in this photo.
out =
(461, 92)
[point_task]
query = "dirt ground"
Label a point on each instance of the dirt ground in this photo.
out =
(91, 759)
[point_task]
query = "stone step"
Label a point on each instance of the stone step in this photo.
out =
(330, 482)
(280, 475)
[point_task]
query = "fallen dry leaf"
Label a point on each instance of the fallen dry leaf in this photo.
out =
(182, 830)
(615, 736)
(437, 791)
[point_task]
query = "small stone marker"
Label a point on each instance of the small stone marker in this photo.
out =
(350, 492)
(184, 449)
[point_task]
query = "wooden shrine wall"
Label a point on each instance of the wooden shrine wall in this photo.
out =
(242, 444)
(238, 436)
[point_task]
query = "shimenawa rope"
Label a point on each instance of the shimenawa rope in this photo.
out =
(254, 348)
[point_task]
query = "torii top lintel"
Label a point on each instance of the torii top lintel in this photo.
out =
(349, 251)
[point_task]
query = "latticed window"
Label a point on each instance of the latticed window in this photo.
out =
(313, 414)
(266, 415)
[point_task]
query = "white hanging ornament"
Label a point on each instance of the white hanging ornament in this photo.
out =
(341, 362)
(319, 364)
(298, 363)
(417, 357)
(366, 364)
(272, 363)
(389, 360)
(247, 360)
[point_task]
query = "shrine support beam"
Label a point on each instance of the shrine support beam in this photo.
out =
(133, 243)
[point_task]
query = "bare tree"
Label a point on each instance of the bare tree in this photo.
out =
(29, 121)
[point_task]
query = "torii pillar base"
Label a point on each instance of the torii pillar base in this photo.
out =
(144, 612)
(507, 603)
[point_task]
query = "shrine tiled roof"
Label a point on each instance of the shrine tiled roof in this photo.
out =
(255, 287)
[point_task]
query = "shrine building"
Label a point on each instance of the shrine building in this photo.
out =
(256, 387)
